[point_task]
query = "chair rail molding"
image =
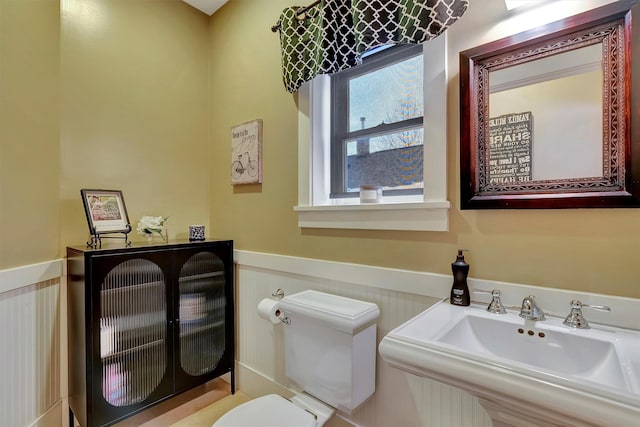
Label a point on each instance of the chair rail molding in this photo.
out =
(554, 301)
(26, 275)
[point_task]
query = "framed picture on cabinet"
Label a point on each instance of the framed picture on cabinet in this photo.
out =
(246, 153)
(106, 211)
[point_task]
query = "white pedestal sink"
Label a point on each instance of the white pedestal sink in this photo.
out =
(524, 373)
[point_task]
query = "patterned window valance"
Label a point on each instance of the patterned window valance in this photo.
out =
(330, 36)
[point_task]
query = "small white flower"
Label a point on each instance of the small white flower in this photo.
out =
(151, 224)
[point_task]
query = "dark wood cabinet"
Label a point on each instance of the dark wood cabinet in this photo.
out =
(145, 323)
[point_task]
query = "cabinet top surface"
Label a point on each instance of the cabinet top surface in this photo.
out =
(118, 246)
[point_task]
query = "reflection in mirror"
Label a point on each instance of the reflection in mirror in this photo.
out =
(558, 101)
(545, 116)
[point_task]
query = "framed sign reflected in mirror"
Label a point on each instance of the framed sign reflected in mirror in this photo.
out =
(546, 116)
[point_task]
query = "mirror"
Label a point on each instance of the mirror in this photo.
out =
(546, 116)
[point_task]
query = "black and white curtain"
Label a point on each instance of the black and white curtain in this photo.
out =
(332, 35)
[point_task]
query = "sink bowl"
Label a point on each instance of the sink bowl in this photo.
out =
(521, 368)
(560, 352)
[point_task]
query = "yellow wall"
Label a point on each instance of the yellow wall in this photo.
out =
(29, 151)
(589, 250)
(100, 94)
(134, 85)
(141, 95)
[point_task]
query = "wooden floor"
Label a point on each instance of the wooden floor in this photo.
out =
(198, 407)
(207, 416)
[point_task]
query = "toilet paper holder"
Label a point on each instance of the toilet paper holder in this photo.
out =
(285, 319)
(279, 294)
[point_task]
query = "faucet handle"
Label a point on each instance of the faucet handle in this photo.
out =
(575, 319)
(495, 306)
(595, 307)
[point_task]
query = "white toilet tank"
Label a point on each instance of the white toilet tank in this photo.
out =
(331, 347)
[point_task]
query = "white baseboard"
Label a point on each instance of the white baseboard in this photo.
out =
(51, 418)
(255, 384)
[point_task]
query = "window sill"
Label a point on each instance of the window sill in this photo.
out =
(423, 216)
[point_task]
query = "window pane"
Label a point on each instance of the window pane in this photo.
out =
(388, 95)
(393, 161)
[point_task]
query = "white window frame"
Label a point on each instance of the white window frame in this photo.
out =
(427, 212)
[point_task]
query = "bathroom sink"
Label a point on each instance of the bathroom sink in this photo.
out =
(561, 352)
(564, 375)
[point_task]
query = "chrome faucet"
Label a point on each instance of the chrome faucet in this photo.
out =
(575, 319)
(495, 306)
(530, 309)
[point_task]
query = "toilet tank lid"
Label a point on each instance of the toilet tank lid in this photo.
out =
(345, 314)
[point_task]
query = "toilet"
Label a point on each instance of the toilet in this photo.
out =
(330, 352)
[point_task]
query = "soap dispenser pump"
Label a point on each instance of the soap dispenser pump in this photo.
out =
(460, 289)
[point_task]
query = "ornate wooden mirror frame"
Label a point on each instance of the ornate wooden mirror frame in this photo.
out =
(619, 183)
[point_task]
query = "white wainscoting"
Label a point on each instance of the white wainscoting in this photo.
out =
(30, 339)
(401, 399)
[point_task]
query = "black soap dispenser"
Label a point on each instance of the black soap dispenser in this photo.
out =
(460, 289)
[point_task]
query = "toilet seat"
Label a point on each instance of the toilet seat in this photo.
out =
(267, 411)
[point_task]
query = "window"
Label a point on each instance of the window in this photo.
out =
(409, 206)
(376, 119)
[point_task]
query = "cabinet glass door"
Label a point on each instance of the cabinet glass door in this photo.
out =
(133, 331)
(201, 310)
